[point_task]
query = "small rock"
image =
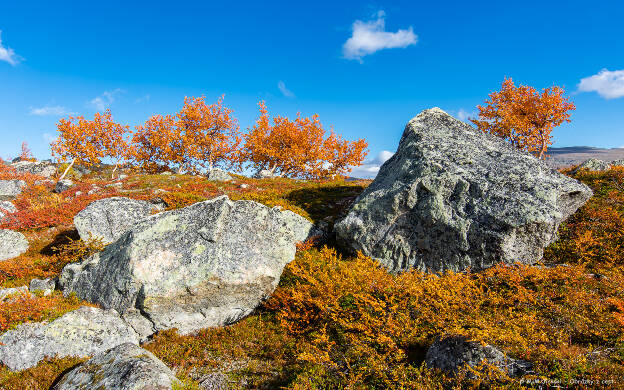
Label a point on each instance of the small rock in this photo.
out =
(160, 191)
(264, 174)
(82, 333)
(122, 177)
(10, 189)
(243, 186)
(6, 294)
(451, 353)
(12, 244)
(44, 285)
(107, 219)
(593, 164)
(166, 173)
(115, 185)
(63, 185)
(40, 168)
(125, 367)
(217, 174)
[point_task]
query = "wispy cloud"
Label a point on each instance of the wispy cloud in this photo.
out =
(608, 84)
(464, 115)
(7, 54)
(370, 168)
(49, 110)
(105, 100)
(49, 138)
(371, 36)
(285, 91)
(143, 98)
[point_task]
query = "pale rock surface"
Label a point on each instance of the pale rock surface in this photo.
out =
(12, 244)
(208, 264)
(40, 168)
(10, 189)
(454, 198)
(217, 174)
(83, 332)
(125, 367)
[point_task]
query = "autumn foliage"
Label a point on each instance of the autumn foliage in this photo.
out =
(87, 142)
(199, 136)
(299, 148)
(524, 116)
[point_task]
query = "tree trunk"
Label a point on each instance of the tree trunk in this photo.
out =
(67, 169)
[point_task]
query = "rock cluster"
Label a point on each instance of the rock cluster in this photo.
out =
(453, 198)
(208, 264)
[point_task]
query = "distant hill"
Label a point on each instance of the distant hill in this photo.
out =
(574, 155)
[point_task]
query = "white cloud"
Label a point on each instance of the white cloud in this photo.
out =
(285, 91)
(105, 100)
(464, 115)
(369, 37)
(608, 84)
(49, 137)
(49, 110)
(369, 169)
(7, 54)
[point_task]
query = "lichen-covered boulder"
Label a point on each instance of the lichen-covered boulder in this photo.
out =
(6, 208)
(82, 333)
(125, 367)
(10, 189)
(453, 353)
(63, 185)
(39, 168)
(264, 174)
(217, 174)
(45, 286)
(12, 244)
(108, 219)
(208, 264)
(593, 164)
(454, 198)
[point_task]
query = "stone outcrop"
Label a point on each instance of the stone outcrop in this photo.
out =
(10, 189)
(39, 168)
(264, 174)
(217, 174)
(6, 208)
(45, 286)
(454, 352)
(12, 244)
(208, 264)
(83, 332)
(124, 367)
(8, 294)
(593, 164)
(63, 185)
(108, 219)
(453, 198)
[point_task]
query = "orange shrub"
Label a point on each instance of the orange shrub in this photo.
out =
(299, 148)
(523, 116)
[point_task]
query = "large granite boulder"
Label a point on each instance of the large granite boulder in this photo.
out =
(453, 353)
(454, 198)
(10, 189)
(108, 219)
(208, 264)
(125, 367)
(39, 168)
(12, 244)
(6, 208)
(82, 333)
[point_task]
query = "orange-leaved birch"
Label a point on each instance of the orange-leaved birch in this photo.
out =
(523, 116)
(89, 141)
(299, 148)
(199, 136)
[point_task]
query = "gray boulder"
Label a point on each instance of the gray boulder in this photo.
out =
(46, 286)
(453, 353)
(108, 219)
(6, 208)
(8, 294)
(39, 168)
(454, 198)
(63, 185)
(125, 367)
(12, 244)
(217, 174)
(83, 332)
(264, 174)
(208, 264)
(10, 189)
(593, 164)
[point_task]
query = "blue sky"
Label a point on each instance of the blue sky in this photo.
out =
(365, 67)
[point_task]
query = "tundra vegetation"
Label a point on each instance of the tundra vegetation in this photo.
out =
(335, 320)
